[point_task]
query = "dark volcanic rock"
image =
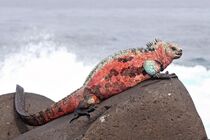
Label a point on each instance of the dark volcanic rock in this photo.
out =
(152, 110)
(10, 124)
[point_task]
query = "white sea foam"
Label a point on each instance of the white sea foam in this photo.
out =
(44, 68)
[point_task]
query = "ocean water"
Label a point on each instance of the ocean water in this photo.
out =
(50, 47)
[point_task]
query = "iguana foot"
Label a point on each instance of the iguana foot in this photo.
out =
(82, 112)
(165, 75)
(107, 107)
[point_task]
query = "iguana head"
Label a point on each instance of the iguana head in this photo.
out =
(170, 49)
(165, 51)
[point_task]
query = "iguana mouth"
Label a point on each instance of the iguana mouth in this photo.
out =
(178, 54)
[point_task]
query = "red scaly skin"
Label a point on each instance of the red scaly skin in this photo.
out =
(117, 76)
(109, 78)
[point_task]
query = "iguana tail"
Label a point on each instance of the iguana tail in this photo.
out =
(62, 107)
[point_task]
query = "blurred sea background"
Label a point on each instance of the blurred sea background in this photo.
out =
(49, 47)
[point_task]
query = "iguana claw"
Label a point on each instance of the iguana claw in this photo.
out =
(165, 75)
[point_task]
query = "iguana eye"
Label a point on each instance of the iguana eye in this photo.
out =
(173, 48)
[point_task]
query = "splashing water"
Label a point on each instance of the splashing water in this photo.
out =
(43, 67)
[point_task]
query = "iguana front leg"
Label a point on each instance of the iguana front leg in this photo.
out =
(153, 68)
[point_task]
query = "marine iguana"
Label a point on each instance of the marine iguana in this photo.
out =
(110, 77)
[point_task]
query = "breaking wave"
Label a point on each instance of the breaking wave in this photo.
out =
(43, 67)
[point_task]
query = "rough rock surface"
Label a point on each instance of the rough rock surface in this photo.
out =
(10, 124)
(152, 110)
